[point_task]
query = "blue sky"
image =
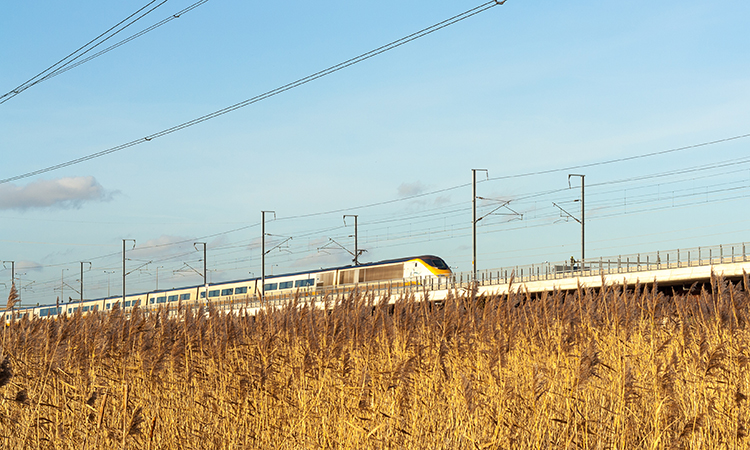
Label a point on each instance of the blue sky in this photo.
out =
(521, 88)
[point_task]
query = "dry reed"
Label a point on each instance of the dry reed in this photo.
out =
(617, 368)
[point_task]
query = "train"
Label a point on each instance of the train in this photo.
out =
(413, 270)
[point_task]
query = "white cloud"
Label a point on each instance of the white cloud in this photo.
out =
(410, 189)
(28, 266)
(162, 247)
(442, 200)
(70, 192)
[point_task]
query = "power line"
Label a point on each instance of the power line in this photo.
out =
(350, 62)
(64, 64)
(436, 234)
(623, 159)
(455, 211)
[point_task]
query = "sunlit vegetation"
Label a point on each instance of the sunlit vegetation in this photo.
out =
(616, 369)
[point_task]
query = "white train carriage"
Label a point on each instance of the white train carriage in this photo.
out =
(228, 291)
(131, 301)
(172, 297)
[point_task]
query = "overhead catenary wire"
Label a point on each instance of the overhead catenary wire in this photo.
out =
(455, 212)
(300, 82)
(397, 239)
(455, 230)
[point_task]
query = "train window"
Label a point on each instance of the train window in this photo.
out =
(161, 299)
(184, 296)
(72, 310)
(437, 263)
(127, 304)
(85, 309)
(94, 307)
(227, 291)
(240, 290)
(346, 277)
(214, 293)
(303, 283)
(44, 312)
(172, 298)
(286, 284)
(203, 294)
(270, 286)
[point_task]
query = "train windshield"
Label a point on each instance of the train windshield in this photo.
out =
(437, 263)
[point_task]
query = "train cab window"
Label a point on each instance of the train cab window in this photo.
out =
(286, 284)
(304, 283)
(214, 293)
(437, 263)
(225, 292)
(184, 296)
(240, 290)
(172, 298)
(270, 286)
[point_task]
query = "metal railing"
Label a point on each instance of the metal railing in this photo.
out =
(637, 262)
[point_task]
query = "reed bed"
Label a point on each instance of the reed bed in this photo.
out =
(612, 369)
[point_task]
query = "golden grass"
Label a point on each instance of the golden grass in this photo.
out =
(612, 370)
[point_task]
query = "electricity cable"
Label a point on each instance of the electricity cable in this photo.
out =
(72, 65)
(54, 70)
(302, 81)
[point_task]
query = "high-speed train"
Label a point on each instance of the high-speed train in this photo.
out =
(411, 270)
